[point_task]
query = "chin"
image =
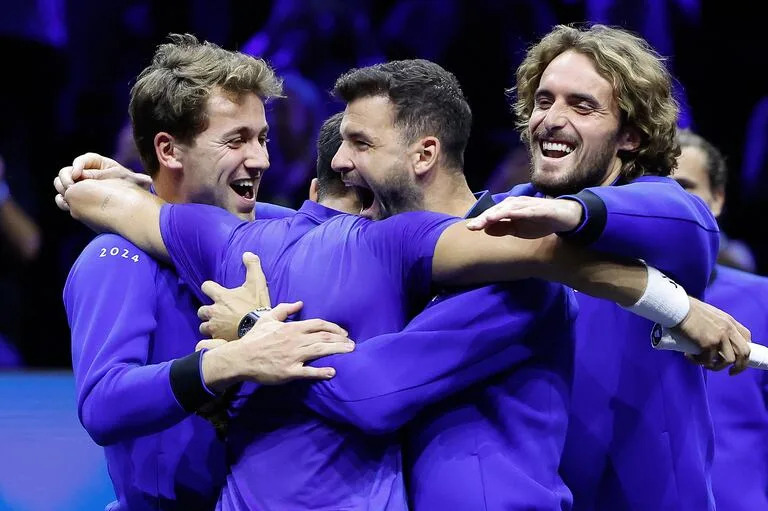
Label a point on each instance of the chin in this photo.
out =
(554, 187)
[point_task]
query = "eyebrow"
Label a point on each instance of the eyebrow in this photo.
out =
(575, 96)
(352, 133)
(240, 130)
(589, 98)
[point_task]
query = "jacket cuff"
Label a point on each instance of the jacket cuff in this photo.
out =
(595, 216)
(187, 382)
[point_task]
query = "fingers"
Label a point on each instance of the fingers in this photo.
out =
(255, 280)
(740, 342)
(206, 328)
(142, 180)
(209, 344)
(726, 355)
(205, 313)
(319, 325)
(61, 203)
(90, 161)
(212, 290)
(57, 184)
(315, 373)
(283, 310)
(65, 179)
(510, 207)
(326, 346)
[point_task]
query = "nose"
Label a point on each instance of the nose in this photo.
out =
(341, 161)
(555, 116)
(257, 156)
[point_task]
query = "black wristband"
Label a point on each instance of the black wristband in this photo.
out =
(596, 217)
(187, 384)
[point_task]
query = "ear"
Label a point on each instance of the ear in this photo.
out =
(313, 190)
(718, 200)
(629, 139)
(426, 154)
(167, 151)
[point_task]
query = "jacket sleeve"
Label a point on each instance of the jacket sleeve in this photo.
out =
(460, 339)
(110, 299)
(652, 219)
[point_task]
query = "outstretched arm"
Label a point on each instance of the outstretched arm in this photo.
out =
(651, 218)
(462, 258)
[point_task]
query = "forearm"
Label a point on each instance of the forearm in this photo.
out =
(599, 275)
(128, 401)
(122, 208)
(20, 230)
(656, 221)
(465, 338)
(464, 257)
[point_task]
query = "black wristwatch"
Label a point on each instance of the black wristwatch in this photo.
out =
(250, 319)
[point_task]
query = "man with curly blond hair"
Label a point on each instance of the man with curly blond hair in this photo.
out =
(595, 108)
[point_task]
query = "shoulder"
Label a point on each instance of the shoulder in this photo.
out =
(110, 257)
(521, 190)
(115, 249)
(265, 210)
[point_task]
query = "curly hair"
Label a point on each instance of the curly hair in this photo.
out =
(171, 93)
(641, 84)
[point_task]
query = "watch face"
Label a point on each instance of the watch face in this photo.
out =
(246, 324)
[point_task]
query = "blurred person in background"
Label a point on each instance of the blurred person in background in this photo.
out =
(20, 241)
(738, 405)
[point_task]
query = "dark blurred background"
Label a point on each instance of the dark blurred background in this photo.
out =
(68, 67)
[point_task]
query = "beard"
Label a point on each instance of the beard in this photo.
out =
(398, 193)
(587, 172)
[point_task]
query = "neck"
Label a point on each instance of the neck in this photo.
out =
(346, 204)
(168, 187)
(611, 176)
(448, 193)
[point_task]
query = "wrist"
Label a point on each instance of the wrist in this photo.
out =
(249, 320)
(218, 368)
(573, 215)
(594, 216)
(664, 301)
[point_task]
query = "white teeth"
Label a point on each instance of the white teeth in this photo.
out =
(553, 146)
(243, 182)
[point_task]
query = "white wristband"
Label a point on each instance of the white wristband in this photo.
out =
(664, 301)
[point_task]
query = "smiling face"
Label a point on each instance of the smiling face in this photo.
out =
(374, 159)
(575, 128)
(224, 163)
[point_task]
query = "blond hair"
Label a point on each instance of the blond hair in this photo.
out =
(641, 84)
(171, 93)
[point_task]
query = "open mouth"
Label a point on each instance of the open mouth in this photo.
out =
(552, 149)
(245, 188)
(366, 198)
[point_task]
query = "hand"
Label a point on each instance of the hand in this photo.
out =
(529, 217)
(722, 339)
(221, 319)
(273, 352)
(94, 166)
